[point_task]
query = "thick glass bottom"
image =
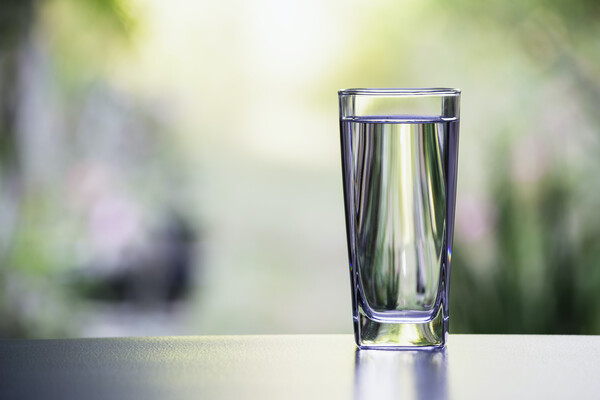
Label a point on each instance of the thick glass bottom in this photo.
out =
(370, 334)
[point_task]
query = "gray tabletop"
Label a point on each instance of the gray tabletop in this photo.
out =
(299, 366)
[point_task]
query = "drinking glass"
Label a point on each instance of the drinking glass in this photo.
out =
(399, 165)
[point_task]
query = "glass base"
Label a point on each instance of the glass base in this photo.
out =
(370, 334)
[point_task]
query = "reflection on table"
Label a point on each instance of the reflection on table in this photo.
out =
(381, 374)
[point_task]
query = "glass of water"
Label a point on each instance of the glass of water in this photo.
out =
(399, 165)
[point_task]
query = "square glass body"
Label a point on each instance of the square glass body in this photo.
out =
(399, 165)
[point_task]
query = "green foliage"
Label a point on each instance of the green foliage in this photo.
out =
(86, 38)
(530, 71)
(544, 276)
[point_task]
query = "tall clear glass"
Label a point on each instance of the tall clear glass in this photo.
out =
(399, 165)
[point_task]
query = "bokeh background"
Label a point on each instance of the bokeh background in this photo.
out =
(173, 167)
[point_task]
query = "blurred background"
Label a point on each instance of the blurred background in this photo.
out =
(173, 167)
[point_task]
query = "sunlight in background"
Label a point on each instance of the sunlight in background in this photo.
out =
(262, 158)
(262, 149)
(240, 72)
(197, 143)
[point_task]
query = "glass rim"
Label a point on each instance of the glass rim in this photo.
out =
(400, 92)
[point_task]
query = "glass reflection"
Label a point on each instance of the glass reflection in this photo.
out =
(400, 374)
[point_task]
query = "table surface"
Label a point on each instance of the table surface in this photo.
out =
(299, 366)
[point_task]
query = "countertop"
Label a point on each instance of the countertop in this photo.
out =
(299, 367)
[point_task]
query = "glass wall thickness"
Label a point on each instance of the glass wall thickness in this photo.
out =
(399, 164)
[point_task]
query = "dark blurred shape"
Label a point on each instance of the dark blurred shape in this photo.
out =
(179, 239)
(15, 22)
(15, 19)
(157, 274)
